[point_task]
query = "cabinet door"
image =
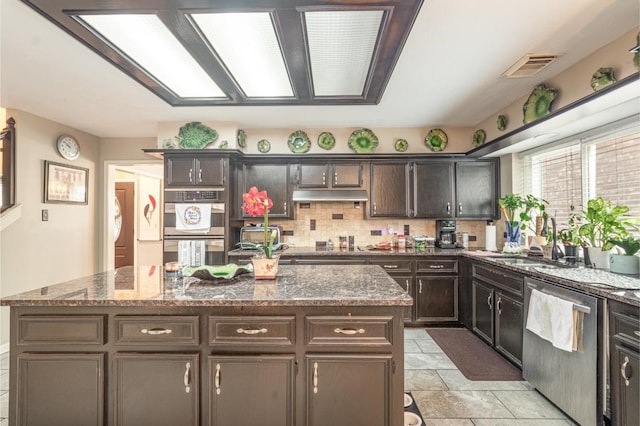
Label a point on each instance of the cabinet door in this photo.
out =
(156, 389)
(348, 390)
(273, 178)
(180, 171)
(436, 298)
(476, 190)
(251, 390)
(509, 322)
(209, 171)
(433, 196)
(405, 282)
(347, 175)
(625, 384)
(389, 190)
(313, 176)
(60, 389)
(482, 313)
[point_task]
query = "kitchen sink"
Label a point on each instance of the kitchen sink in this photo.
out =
(523, 262)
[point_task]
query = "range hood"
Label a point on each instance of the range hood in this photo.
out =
(318, 195)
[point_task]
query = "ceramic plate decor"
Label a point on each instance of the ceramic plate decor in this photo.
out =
(602, 78)
(502, 122)
(539, 103)
(436, 140)
(242, 138)
(212, 273)
(264, 146)
(478, 137)
(299, 142)
(401, 145)
(363, 141)
(326, 140)
(196, 135)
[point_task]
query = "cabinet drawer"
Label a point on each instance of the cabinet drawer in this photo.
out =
(394, 265)
(55, 329)
(449, 266)
(625, 327)
(497, 277)
(349, 331)
(278, 331)
(167, 330)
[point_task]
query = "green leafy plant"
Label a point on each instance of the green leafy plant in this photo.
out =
(516, 207)
(603, 223)
(196, 135)
(630, 245)
(570, 236)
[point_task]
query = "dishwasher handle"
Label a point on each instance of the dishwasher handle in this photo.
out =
(578, 307)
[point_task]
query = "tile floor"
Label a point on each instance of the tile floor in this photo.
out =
(443, 395)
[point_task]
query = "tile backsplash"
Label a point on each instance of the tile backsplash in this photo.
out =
(327, 220)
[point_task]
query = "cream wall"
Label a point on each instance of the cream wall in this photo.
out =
(36, 253)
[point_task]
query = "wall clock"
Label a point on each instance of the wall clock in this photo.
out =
(68, 147)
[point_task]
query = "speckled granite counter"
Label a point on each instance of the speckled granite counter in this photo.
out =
(312, 285)
(293, 252)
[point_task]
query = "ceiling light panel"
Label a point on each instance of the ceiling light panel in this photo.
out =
(248, 46)
(341, 46)
(147, 41)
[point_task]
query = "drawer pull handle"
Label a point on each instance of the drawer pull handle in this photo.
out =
(315, 377)
(623, 371)
(187, 378)
(349, 331)
(436, 266)
(217, 379)
(499, 305)
(156, 331)
(390, 266)
(489, 302)
(251, 331)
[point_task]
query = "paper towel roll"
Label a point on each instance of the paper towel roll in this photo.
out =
(490, 238)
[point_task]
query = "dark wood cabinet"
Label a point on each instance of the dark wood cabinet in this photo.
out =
(252, 390)
(60, 389)
(434, 189)
(624, 363)
(498, 309)
(476, 190)
(363, 379)
(273, 178)
(329, 175)
(187, 171)
(156, 389)
(389, 193)
(436, 294)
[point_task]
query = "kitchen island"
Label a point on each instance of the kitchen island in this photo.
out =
(320, 345)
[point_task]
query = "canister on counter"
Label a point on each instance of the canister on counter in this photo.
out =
(465, 240)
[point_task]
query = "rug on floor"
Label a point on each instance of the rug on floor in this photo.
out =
(475, 359)
(410, 406)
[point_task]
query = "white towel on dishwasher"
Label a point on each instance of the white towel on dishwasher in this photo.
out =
(193, 217)
(554, 320)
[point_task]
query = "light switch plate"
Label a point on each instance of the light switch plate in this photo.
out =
(45, 215)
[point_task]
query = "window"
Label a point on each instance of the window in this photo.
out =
(7, 158)
(604, 162)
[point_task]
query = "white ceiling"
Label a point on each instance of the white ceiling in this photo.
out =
(449, 73)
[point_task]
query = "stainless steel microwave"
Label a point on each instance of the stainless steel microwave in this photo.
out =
(255, 234)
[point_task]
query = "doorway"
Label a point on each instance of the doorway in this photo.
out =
(124, 225)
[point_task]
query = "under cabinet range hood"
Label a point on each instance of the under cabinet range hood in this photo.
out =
(318, 195)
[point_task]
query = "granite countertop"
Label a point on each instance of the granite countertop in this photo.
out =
(300, 285)
(293, 251)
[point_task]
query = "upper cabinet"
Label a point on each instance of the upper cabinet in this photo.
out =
(389, 194)
(196, 170)
(329, 175)
(434, 189)
(273, 178)
(476, 190)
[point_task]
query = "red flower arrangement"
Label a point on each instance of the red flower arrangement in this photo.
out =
(258, 203)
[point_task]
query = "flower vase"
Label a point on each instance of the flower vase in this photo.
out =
(512, 245)
(265, 268)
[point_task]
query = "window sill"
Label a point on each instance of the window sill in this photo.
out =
(10, 216)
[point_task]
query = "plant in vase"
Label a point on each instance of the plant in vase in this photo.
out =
(627, 263)
(570, 237)
(516, 210)
(257, 203)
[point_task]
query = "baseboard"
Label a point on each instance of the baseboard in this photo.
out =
(4, 348)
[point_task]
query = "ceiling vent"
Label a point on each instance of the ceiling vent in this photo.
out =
(530, 65)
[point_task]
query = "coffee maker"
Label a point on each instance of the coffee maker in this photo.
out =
(446, 234)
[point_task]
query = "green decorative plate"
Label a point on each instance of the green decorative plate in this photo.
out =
(502, 122)
(223, 145)
(326, 140)
(401, 145)
(478, 137)
(299, 142)
(264, 146)
(196, 135)
(242, 138)
(363, 141)
(211, 273)
(539, 103)
(436, 140)
(602, 78)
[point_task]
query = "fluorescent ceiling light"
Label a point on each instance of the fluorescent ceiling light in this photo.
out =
(341, 45)
(148, 42)
(248, 46)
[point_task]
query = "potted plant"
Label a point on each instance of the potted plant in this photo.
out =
(570, 237)
(627, 263)
(516, 210)
(603, 223)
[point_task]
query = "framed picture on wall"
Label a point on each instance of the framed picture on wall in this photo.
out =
(65, 184)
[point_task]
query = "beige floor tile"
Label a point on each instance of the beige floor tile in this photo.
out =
(455, 380)
(414, 361)
(410, 345)
(529, 405)
(520, 422)
(416, 333)
(428, 346)
(460, 405)
(4, 381)
(448, 422)
(4, 405)
(418, 380)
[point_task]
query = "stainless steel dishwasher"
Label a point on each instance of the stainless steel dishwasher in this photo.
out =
(568, 379)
